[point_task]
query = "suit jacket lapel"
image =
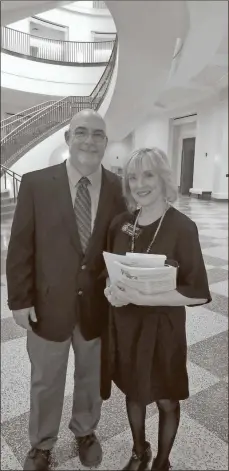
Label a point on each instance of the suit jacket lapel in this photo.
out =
(64, 201)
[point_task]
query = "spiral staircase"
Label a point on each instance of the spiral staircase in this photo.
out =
(21, 134)
(25, 130)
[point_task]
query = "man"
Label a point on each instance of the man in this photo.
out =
(55, 287)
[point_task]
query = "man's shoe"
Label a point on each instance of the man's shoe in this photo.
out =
(139, 462)
(90, 451)
(38, 460)
(165, 467)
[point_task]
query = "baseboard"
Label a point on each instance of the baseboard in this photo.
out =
(206, 195)
(220, 196)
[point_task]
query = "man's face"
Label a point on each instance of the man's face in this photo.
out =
(87, 142)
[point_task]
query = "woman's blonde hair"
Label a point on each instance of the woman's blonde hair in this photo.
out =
(159, 162)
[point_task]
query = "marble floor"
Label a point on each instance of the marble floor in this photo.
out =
(201, 443)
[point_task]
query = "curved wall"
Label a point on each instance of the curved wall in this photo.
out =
(15, 10)
(50, 79)
(47, 79)
(80, 24)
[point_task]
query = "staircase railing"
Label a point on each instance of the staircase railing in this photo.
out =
(10, 123)
(7, 173)
(54, 51)
(99, 5)
(53, 117)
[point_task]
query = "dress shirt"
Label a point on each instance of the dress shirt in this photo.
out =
(94, 187)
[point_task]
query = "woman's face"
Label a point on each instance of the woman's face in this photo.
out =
(145, 185)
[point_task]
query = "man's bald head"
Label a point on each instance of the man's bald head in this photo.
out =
(87, 140)
(87, 115)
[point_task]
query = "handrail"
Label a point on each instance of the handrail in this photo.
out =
(40, 112)
(55, 51)
(16, 179)
(8, 123)
(23, 113)
(104, 80)
(54, 117)
(10, 172)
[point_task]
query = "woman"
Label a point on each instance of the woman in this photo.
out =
(148, 331)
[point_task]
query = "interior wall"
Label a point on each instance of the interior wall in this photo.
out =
(22, 25)
(118, 152)
(80, 24)
(222, 190)
(51, 151)
(212, 139)
(179, 132)
(47, 79)
(153, 132)
(162, 133)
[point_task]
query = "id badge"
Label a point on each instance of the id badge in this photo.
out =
(128, 228)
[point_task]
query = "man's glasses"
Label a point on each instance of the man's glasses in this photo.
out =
(82, 134)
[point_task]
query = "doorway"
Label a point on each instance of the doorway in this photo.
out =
(187, 165)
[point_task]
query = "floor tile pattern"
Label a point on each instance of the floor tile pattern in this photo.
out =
(202, 439)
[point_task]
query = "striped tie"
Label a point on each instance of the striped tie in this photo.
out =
(82, 209)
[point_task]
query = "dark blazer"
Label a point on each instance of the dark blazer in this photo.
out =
(45, 265)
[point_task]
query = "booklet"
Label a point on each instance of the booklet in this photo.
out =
(147, 273)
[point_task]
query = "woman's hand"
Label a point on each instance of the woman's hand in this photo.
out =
(117, 295)
(120, 295)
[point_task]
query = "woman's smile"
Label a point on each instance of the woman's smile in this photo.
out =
(143, 192)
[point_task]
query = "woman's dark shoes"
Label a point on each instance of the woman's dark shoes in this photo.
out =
(140, 462)
(90, 451)
(165, 467)
(38, 460)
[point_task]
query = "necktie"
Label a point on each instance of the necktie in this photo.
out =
(82, 209)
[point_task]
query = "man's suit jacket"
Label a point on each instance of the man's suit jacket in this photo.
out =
(45, 265)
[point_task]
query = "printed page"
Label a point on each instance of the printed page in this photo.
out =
(147, 279)
(146, 260)
(112, 268)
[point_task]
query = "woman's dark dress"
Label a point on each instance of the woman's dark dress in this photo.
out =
(148, 344)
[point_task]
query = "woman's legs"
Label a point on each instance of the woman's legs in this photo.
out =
(136, 414)
(169, 418)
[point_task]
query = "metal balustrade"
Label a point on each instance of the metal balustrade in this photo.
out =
(10, 123)
(15, 180)
(54, 51)
(99, 5)
(53, 117)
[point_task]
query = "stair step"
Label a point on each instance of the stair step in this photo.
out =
(5, 201)
(5, 194)
(7, 215)
(7, 207)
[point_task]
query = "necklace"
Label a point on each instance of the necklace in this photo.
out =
(155, 235)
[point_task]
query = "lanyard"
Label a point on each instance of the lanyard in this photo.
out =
(155, 235)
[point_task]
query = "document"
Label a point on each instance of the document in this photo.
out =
(147, 273)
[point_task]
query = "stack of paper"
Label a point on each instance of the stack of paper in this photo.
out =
(147, 273)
